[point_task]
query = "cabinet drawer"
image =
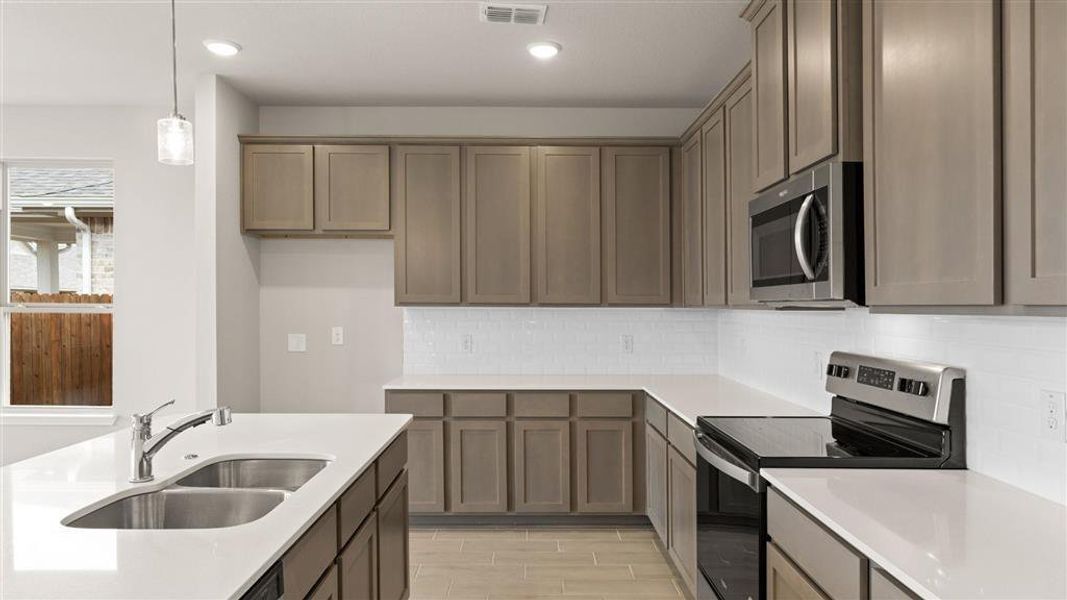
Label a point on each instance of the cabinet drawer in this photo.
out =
(420, 404)
(680, 435)
(310, 556)
(355, 504)
(832, 565)
(391, 462)
(656, 415)
(542, 404)
(605, 404)
(478, 404)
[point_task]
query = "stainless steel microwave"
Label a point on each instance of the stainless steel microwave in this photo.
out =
(807, 239)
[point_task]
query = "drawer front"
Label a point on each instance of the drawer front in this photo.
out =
(656, 415)
(310, 556)
(542, 404)
(355, 504)
(680, 435)
(420, 404)
(605, 404)
(478, 404)
(391, 462)
(832, 565)
(884, 587)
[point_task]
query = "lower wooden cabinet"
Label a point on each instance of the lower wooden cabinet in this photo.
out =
(785, 581)
(478, 461)
(541, 474)
(426, 465)
(682, 521)
(358, 563)
(656, 481)
(328, 589)
(604, 466)
(393, 583)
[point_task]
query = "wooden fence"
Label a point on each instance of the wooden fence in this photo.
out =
(61, 359)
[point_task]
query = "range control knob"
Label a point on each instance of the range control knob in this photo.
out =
(837, 370)
(912, 386)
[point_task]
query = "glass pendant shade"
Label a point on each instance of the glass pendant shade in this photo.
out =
(174, 140)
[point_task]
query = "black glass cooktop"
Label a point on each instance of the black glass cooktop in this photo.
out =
(809, 441)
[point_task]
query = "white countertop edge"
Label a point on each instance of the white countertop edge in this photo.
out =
(886, 565)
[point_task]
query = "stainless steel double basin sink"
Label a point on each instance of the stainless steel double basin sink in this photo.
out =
(221, 494)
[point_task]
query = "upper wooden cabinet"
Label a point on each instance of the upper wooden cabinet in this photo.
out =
(352, 188)
(1035, 152)
(637, 225)
(932, 173)
(692, 222)
(715, 252)
(277, 187)
(426, 183)
(769, 92)
(737, 111)
(497, 235)
(567, 225)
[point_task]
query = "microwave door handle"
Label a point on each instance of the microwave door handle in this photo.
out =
(799, 241)
(720, 458)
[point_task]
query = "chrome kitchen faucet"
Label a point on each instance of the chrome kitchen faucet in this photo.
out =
(144, 445)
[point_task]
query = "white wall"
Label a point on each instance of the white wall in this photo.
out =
(310, 286)
(559, 340)
(470, 121)
(154, 325)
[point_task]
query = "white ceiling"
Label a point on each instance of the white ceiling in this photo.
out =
(619, 53)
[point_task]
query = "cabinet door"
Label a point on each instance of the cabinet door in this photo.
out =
(605, 466)
(541, 476)
(567, 225)
(682, 517)
(931, 170)
(656, 482)
(393, 542)
(327, 589)
(811, 63)
(715, 252)
(692, 223)
(738, 113)
(352, 188)
(478, 458)
(769, 85)
(497, 234)
(358, 563)
(277, 187)
(785, 581)
(427, 243)
(1035, 151)
(637, 225)
(426, 466)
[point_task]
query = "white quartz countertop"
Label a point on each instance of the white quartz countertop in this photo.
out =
(687, 396)
(42, 558)
(942, 533)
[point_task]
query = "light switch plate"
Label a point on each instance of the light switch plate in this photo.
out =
(1053, 405)
(297, 342)
(337, 336)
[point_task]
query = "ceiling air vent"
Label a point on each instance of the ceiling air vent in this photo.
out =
(522, 14)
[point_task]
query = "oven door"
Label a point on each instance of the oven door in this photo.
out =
(731, 528)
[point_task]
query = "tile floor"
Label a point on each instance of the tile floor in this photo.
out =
(497, 563)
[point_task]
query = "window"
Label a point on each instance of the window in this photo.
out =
(57, 280)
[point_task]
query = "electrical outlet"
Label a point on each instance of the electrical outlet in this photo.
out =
(627, 342)
(468, 343)
(297, 342)
(1052, 415)
(337, 336)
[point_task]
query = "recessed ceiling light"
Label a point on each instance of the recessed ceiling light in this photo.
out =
(222, 47)
(544, 50)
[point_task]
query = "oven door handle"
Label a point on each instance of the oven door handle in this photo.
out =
(720, 458)
(799, 242)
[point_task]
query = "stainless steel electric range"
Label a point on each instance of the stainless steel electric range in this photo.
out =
(885, 414)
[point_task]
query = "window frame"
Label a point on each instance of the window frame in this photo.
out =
(36, 414)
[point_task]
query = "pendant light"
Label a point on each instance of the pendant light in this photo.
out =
(174, 134)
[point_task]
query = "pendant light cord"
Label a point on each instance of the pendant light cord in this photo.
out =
(174, 55)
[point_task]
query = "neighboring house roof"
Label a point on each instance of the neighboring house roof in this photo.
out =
(41, 187)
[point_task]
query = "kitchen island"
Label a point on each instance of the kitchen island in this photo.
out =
(41, 557)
